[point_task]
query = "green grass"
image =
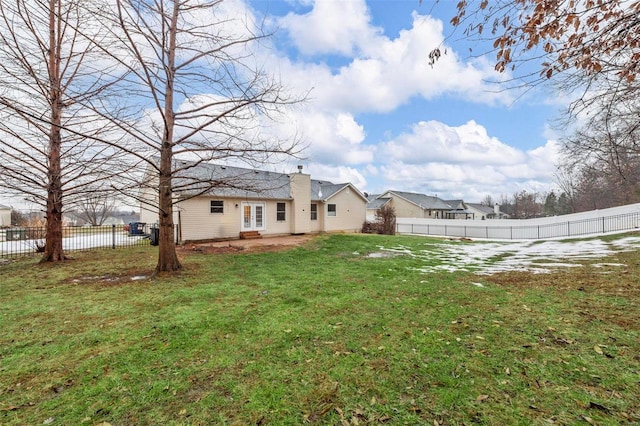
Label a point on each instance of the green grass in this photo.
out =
(319, 334)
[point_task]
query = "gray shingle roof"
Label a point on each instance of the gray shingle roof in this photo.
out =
(482, 208)
(424, 201)
(237, 182)
(377, 203)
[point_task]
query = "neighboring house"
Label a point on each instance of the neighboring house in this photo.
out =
(409, 204)
(374, 203)
(481, 211)
(459, 210)
(5, 216)
(463, 210)
(244, 200)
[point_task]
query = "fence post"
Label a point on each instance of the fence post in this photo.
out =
(568, 229)
(113, 236)
(603, 231)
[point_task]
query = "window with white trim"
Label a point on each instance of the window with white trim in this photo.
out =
(314, 211)
(331, 209)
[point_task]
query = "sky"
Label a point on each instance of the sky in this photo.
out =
(379, 116)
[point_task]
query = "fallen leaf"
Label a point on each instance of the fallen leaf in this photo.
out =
(598, 349)
(182, 412)
(481, 398)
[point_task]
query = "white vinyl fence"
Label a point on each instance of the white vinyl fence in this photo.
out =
(597, 222)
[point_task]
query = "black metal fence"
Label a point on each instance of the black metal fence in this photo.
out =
(493, 229)
(25, 241)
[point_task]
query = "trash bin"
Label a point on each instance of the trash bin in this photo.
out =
(136, 228)
(154, 236)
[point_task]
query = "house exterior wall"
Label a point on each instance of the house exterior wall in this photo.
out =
(317, 225)
(5, 217)
(404, 208)
(148, 213)
(301, 203)
(198, 223)
(351, 212)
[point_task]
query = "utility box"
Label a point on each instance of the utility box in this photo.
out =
(15, 234)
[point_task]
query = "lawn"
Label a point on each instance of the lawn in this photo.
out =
(337, 331)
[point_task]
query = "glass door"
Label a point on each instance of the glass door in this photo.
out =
(253, 216)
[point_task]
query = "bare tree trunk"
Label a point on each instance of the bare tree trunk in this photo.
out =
(167, 256)
(53, 246)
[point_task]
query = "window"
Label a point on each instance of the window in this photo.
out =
(314, 211)
(331, 209)
(217, 206)
(280, 212)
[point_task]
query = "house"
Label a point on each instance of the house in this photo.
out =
(216, 202)
(459, 210)
(481, 211)
(5, 216)
(374, 203)
(410, 204)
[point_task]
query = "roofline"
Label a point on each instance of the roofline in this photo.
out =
(415, 204)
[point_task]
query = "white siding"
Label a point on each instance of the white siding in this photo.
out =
(5, 217)
(351, 212)
(198, 223)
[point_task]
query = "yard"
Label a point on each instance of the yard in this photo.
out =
(344, 329)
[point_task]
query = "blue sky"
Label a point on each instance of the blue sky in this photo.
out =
(380, 117)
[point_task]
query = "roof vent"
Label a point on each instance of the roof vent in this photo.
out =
(299, 168)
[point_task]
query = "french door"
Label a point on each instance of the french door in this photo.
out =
(253, 216)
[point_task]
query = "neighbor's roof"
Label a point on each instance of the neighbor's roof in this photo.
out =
(456, 204)
(481, 207)
(422, 200)
(377, 203)
(3, 207)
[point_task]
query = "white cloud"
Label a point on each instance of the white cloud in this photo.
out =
(383, 73)
(332, 27)
(339, 174)
(464, 162)
(333, 138)
(433, 141)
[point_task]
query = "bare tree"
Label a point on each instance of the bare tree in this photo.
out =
(197, 92)
(386, 220)
(95, 209)
(487, 201)
(526, 205)
(49, 69)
